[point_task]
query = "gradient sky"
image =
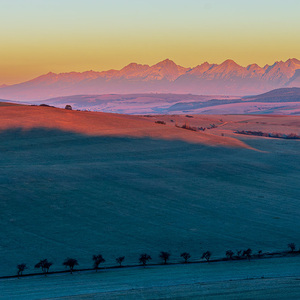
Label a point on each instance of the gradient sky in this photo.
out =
(38, 36)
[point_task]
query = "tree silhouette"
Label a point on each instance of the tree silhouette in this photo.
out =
(292, 246)
(120, 259)
(144, 258)
(238, 253)
(70, 263)
(247, 253)
(44, 264)
(98, 259)
(165, 256)
(259, 253)
(21, 268)
(185, 256)
(229, 254)
(68, 106)
(206, 255)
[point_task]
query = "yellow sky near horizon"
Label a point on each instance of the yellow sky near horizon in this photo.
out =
(39, 36)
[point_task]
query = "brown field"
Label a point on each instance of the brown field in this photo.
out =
(228, 124)
(105, 124)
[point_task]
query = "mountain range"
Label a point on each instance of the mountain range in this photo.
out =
(227, 78)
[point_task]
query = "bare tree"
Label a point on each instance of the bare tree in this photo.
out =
(292, 246)
(120, 259)
(70, 263)
(206, 255)
(144, 258)
(44, 264)
(98, 259)
(165, 256)
(247, 253)
(229, 254)
(238, 253)
(185, 256)
(21, 268)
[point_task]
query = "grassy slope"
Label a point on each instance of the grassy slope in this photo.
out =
(103, 124)
(65, 194)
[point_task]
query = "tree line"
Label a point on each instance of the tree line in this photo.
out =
(144, 258)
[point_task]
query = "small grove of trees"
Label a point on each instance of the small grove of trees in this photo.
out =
(68, 107)
(144, 258)
(21, 268)
(70, 263)
(292, 246)
(269, 134)
(186, 256)
(165, 256)
(229, 254)
(206, 255)
(247, 253)
(188, 127)
(238, 253)
(44, 264)
(120, 259)
(98, 259)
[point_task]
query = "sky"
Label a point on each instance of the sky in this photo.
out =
(39, 36)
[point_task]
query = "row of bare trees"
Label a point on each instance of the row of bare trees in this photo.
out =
(70, 263)
(240, 253)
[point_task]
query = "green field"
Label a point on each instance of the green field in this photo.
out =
(67, 195)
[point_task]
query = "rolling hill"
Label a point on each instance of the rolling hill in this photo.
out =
(24, 117)
(279, 101)
(78, 183)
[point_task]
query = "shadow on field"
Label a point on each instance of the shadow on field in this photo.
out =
(70, 195)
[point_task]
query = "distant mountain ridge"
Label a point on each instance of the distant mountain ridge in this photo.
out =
(227, 78)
